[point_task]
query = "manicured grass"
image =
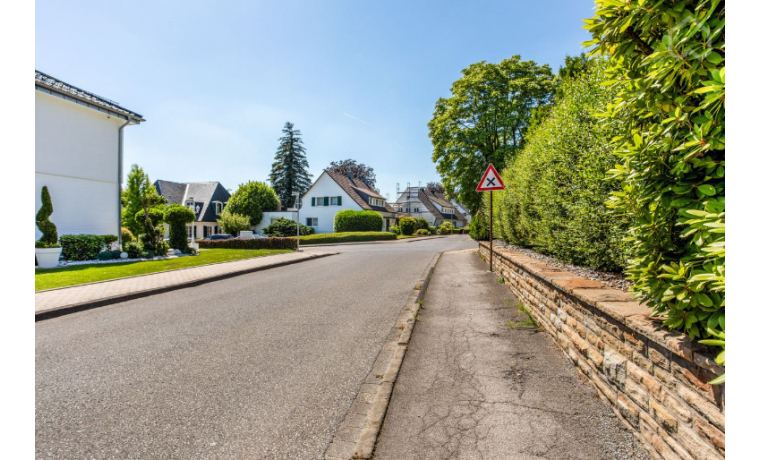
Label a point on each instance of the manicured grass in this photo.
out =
(345, 237)
(80, 274)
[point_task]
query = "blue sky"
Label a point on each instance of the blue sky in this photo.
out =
(216, 81)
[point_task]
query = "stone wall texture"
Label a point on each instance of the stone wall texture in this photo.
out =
(655, 380)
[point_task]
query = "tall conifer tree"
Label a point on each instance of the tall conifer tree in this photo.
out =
(289, 170)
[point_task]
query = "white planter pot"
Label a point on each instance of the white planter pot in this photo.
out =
(47, 257)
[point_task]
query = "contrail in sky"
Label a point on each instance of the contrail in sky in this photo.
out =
(357, 119)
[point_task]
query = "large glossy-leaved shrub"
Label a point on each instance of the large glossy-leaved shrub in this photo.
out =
(669, 74)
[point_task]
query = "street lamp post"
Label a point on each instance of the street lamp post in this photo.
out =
(298, 220)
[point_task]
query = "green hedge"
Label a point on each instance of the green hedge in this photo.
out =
(669, 75)
(558, 185)
(252, 243)
(407, 225)
(287, 227)
(323, 238)
(349, 220)
(83, 247)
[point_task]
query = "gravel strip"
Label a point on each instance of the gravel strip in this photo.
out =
(613, 280)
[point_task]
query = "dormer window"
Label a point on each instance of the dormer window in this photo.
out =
(219, 207)
(376, 202)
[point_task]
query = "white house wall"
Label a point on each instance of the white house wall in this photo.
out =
(270, 216)
(76, 156)
(325, 186)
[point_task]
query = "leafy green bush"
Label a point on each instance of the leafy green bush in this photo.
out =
(669, 74)
(324, 238)
(287, 227)
(150, 239)
(133, 249)
(422, 223)
(407, 225)
(49, 238)
(445, 228)
(126, 235)
(109, 240)
(81, 247)
(422, 231)
(108, 255)
(233, 223)
(253, 243)
(349, 220)
(178, 216)
(479, 227)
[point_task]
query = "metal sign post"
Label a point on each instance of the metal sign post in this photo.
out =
(488, 183)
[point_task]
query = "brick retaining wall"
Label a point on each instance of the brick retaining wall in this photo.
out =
(655, 381)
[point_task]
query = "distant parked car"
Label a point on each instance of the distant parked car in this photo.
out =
(218, 236)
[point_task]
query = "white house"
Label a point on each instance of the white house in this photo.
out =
(333, 192)
(418, 202)
(78, 155)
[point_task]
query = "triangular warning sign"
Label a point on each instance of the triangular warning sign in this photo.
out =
(490, 181)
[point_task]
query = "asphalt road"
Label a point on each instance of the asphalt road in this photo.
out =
(258, 366)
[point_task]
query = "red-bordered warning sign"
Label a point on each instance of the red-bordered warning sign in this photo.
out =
(490, 181)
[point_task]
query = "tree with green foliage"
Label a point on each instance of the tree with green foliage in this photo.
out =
(358, 170)
(178, 216)
(290, 168)
(252, 199)
(485, 120)
(49, 238)
(138, 192)
(669, 73)
(232, 223)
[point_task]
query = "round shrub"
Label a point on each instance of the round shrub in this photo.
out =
(445, 228)
(133, 249)
(252, 199)
(407, 225)
(126, 235)
(286, 227)
(422, 231)
(349, 220)
(423, 224)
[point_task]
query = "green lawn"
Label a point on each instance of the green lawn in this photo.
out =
(80, 274)
(345, 237)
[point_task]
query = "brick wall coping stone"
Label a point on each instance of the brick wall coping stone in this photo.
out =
(619, 305)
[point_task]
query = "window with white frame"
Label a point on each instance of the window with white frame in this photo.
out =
(326, 201)
(312, 221)
(219, 207)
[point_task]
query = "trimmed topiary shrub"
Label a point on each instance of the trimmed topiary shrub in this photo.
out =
(81, 247)
(178, 216)
(287, 227)
(422, 232)
(49, 238)
(133, 249)
(108, 255)
(349, 220)
(422, 223)
(407, 225)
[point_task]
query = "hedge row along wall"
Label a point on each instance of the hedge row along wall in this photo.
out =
(655, 381)
(254, 243)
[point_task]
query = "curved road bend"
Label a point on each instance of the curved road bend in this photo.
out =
(263, 365)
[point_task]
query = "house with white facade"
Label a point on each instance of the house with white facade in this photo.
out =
(419, 202)
(206, 199)
(333, 192)
(78, 155)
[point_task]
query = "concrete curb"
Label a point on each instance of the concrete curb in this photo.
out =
(87, 305)
(358, 433)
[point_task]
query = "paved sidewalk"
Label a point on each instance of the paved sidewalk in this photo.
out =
(64, 300)
(480, 382)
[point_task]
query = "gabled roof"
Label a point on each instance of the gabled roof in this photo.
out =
(359, 192)
(428, 198)
(45, 83)
(203, 193)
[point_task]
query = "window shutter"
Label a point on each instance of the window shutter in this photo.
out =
(326, 201)
(340, 201)
(313, 201)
